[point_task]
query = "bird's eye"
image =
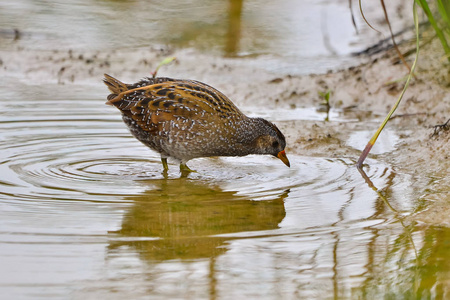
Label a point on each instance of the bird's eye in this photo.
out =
(275, 144)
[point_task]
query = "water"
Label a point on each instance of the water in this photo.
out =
(86, 213)
(293, 36)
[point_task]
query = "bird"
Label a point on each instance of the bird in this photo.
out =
(186, 119)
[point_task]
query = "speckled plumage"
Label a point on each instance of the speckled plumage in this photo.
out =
(186, 119)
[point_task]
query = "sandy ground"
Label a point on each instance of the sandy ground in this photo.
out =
(361, 92)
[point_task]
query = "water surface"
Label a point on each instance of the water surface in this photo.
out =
(299, 37)
(85, 211)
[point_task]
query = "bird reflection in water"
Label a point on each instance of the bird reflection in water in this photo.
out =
(185, 217)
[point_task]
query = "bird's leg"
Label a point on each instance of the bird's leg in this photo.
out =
(185, 168)
(164, 162)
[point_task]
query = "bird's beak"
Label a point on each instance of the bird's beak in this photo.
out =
(282, 155)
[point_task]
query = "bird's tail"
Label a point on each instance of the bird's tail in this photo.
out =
(115, 86)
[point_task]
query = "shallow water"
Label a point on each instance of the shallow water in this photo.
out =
(293, 36)
(85, 211)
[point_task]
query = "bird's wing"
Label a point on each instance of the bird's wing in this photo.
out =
(153, 105)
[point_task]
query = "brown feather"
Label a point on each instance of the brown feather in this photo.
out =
(170, 100)
(185, 119)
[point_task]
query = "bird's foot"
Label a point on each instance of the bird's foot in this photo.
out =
(185, 169)
(164, 162)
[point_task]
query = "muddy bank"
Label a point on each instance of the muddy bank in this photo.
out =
(361, 95)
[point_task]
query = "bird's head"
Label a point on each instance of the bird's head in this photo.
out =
(271, 141)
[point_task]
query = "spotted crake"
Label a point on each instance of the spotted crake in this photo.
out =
(186, 119)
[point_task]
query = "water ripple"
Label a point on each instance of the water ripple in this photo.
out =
(75, 186)
(54, 149)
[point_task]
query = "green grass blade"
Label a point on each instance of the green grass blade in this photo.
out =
(432, 20)
(444, 11)
(389, 115)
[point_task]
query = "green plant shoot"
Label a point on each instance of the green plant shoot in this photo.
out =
(326, 97)
(165, 61)
(377, 133)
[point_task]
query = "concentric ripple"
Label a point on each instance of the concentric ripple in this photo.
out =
(76, 189)
(82, 151)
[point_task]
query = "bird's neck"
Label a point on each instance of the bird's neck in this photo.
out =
(247, 132)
